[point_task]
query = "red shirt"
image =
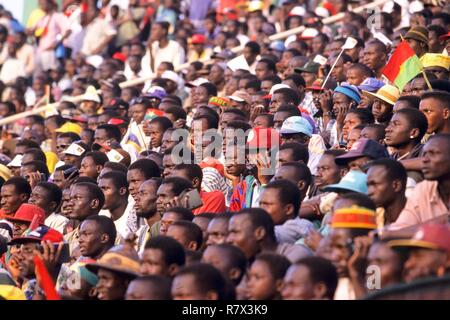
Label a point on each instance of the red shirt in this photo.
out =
(213, 201)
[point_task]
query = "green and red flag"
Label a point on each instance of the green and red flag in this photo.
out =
(403, 66)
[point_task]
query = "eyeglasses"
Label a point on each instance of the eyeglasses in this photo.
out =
(62, 146)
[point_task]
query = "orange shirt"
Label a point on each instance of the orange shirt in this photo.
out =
(213, 202)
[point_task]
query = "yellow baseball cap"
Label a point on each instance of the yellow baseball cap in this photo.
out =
(435, 60)
(70, 127)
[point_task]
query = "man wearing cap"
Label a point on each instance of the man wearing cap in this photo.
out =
(309, 72)
(417, 38)
(298, 129)
(241, 100)
(347, 224)
(24, 216)
(429, 252)
(91, 101)
(24, 256)
(431, 197)
(362, 151)
(198, 50)
(115, 269)
(438, 64)
(74, 154)
(383, 102)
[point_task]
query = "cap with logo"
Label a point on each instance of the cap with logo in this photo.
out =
(75, 149)
(70, 127)
(430, 236)
(41, 233)
(16, 162)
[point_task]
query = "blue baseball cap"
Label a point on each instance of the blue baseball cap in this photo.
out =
(350, 91)
(371, 85)
(156, 92)
(277, 46)
(355, 181)
(296, 124)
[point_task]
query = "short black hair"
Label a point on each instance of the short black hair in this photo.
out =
(269, 63)
(364, 115)
(182, 213)
(272, 78)
(212, 121)
(106, 226)
(119, 179)
(288, 193)
(148, 167)
(254, 47)
(20, 184)
(442, 96)
(259, 218)
(290, 95)
(177, 112)
(192, 231)
(116, 166)
(236, 112)
(112, 131)
(37, 165)
(289, 108)
(98, 157)
(206, 278)
(210, 88)
(278, 264)
(379, 128)
(164, 24)
(413, 101)
(321, 270)
(394, 169)
(163, 122)
(299, 151)
(37, 154)
(365, 70)
(172, 250)
(27, 143)
(416, 119)
(297, 79)
(302, 171)
(94, 192)
(253, 84)
(239, 124)
(54, 192)
(234, 257)
(192, 170)
(178, 184)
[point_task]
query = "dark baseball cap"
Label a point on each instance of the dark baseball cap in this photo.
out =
(363, 148)
(117, 104)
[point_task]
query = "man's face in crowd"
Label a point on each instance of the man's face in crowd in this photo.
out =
(217, 231)
(167, 141)
(327, 172)
(214, 256)
(285, 155)
(381, 189)
(81, 203)
(262, 70)
(398, 131)
(26, 260)
(381, 110)
(19, 228)
(353, 136)
(89, 168)
(358, 163)
(113, 196)
(168, 165)
(58, 178)
(72, 160)
(135, 178)
(338, 73)
(100, 136)
(373, 57)
(279, 118)
(154, 263)
(336, 247)
(298, 284)
(141, 290)
(11, 200)
(423, 263)
(355, 76)
(435, 113)
(110, 286)
(436, 159)
(388, 261)
(339, 101)
(66, 206)
(418, 87)
(351, 120)
(270, 201)
(41, 198)
(138, 112)
(156, 134)
(146, 200)
(261, 284)
(165, 195)
(167, 219)
(241, 234)
(200, 96)
(226, 117)
(91, 240)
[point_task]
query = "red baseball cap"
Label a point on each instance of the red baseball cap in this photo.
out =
(430, 236)
(263, 138)
(198, 39)
(444, 36)
(26, 213)
(41, 233)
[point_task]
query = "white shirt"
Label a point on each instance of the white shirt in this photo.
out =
(56, 221)
(122, 224)
(173, 53)
(316, 148)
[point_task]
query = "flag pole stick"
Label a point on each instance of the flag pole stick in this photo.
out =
(426, 80)
(332, 67)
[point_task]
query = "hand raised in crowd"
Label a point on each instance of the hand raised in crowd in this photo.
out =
(179, 202)
(325, 101)
(34, 178)
(313, 239)
(66, 182)
(256, 111)
(50, 255)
